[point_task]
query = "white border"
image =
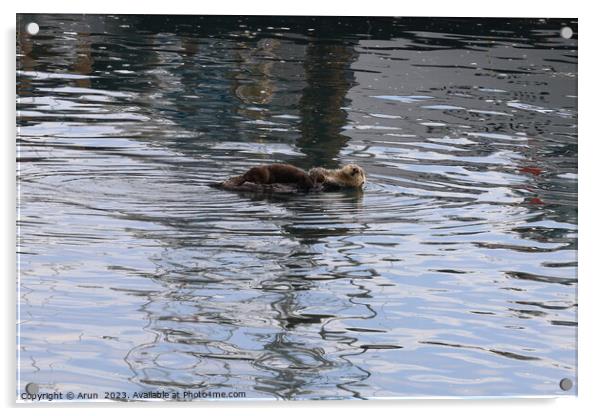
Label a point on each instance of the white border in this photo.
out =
(590, 152)
(468, 8)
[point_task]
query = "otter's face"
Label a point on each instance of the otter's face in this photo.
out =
(355, 174)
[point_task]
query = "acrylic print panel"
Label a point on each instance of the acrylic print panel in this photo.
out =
(151, 267)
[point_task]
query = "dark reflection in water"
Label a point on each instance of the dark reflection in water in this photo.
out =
(328, 80)
(453, 273)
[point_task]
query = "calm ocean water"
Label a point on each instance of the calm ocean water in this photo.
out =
(452, 274)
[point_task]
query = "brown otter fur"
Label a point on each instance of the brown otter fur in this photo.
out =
(277, 173)
(349, 176)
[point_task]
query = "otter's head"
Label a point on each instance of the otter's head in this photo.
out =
(353, 176)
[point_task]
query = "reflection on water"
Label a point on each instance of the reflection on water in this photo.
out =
(453, 273)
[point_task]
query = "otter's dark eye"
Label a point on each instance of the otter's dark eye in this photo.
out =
(354, 172)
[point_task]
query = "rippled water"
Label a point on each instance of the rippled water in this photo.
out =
(453, 273)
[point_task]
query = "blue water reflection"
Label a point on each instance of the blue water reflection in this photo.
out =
(453, 273)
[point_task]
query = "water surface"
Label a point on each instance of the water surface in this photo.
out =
(452, 274)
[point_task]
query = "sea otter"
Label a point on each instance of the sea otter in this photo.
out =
(349, 176)
(285, 178)
(276, 173)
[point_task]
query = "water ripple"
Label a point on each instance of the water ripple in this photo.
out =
(452, 273)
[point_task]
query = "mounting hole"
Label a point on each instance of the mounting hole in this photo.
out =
(32, 388)
(566, 384)
(32, 28)
(566, 32)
